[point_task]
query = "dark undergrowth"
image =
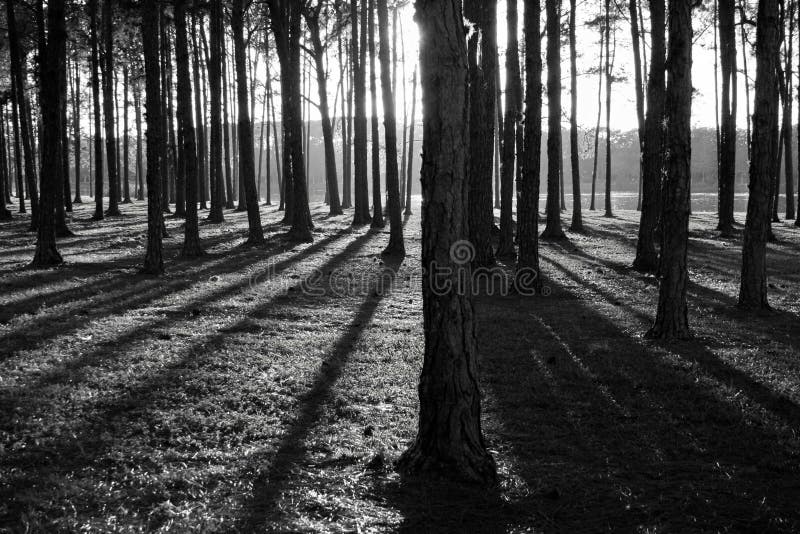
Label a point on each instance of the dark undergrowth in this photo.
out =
(272, 388)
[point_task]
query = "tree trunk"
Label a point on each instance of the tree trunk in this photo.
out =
(53, 69)
(482, 57)
(61, 192)
(609, 67)
(66, 189)
(226, 127)
(108, 109)
(599, 115)
(191, 240)
(377, 207)
(553, 228)
(76, 125)
(787, 114)
(98, 142)
(215, 214)
(137, 103)
(21, 118)
(637, 68)
(153, 262)
(18, 165)
(449, 439)
(361, 194)
(126, 188)
(396, 247)
(526, 279)
(287, 29)
(202, 154)
(347, 99)
(513, 111)
(653, 156)
(577, 219)
(331, 180)
(410, 166)
(672, 317)
(245, 129)
(727, 156)
(753, 291)
(5, 184)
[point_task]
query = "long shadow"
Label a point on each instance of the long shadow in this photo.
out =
(614, 434)
(136, 400)
(274, 468)
(62, 323)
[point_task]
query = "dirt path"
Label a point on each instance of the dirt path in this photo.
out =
(272, 388)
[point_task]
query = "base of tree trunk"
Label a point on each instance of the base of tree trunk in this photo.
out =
(127, 201)
(669, 330)
(98, 216)
(378, 222)
(77, 200)
(192, 249)
(113, 213)
(47, 256)
(255, 240)
(63, 231)
(212, 219)
(152, 270)
(300, 235)
(394, 249)
(5, 215)
(478, 468)
(408, 211)
(577, 227)
(335, 212)
(230, 206)
(553, 234)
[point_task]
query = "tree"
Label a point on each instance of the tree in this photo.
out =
(727, 141)
(153, 261)
(609, 79)
(53, 66)
(786, 86)
(528, 210)
(410, 165)
(244, 128)
(599, 113)
(285, 19)
(672, 317)
(513, 103)
(449, 439)
(653, 156)
(191, 240)
(753, 290)
(215, 214)
(312, 16)
(552, 229)
(108, 108)
(482, 50)
(633, 10)
(395, 246)
(360, 187)
(577, 219)
(377, 208)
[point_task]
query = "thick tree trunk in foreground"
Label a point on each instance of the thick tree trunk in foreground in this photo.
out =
(482, 51)
(727, 159)
(449, 440)
(653, 156)
(553, 228)
(396, 246)
(244, 128)
(527, 275)
(672, 317)
(191, 237)
(153, 261)
(753, 291)
(574, 156)
(513, 109)
(50, 101)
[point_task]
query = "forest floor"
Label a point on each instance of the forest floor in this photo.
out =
(271, 389)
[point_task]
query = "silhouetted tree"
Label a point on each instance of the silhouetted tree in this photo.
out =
(553, 228)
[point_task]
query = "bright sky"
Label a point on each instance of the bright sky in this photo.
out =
(623, 116)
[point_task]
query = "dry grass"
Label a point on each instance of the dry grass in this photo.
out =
(240, 393)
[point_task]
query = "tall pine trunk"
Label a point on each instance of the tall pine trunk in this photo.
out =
(574, 156)
(449, 439)
(553, 228)
(396, 246)
(215, 214)
(753, 290)
(513, 111)
(361, 193)
(108, 109)
(482, 57)
(377, 203)
(653, 156)
(410, 165)
(637, 69)
(672, 319)
(727, 158)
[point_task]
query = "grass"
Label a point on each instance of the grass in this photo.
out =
(272, 388)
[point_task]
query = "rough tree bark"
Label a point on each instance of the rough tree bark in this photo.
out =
(396, 246)
(108, 109)
(449, 439)
(577, 219)
(360, 188)
(410, 164)
(753, 290)
(527, 276)
(653, 156)
(553, 228)
(727, 158)
(672, 317)
(377, 207)
(215, 214)
(505, 247)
